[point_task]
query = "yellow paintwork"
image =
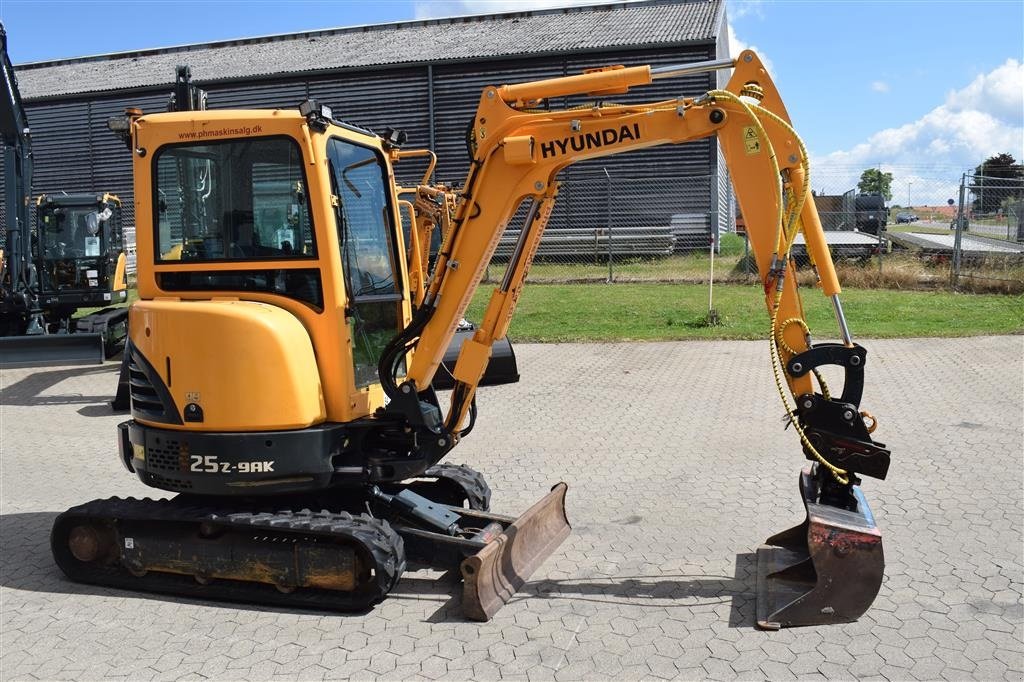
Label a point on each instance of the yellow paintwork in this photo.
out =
(250, 366)
(328, 376)
(414, 257)
(519, 153)
(615, 79)
(120, 282)
(433, 209)
(173, 253)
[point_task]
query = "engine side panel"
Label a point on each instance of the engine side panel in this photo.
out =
(229, 365)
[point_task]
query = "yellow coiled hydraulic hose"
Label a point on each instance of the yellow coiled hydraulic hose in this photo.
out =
(786, 231)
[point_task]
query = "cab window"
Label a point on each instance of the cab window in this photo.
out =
(242, 199)
(366, 238)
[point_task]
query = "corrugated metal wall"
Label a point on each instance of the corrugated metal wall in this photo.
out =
(725, 218)
(75, 152)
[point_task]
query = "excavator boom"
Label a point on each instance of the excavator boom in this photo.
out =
(518, 151)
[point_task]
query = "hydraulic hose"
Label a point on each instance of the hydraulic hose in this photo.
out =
(785, 235)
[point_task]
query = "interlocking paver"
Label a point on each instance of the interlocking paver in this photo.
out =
(671, 490)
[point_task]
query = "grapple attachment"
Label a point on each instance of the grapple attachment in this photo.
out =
(496, 572)
(826, 570)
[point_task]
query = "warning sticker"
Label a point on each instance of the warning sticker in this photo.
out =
(751, 140)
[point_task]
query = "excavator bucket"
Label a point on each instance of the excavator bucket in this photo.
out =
(826, 570)
(495, 573)
(501, 368)
(48, 350)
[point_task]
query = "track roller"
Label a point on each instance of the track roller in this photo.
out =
(455, 485)
(293, 558)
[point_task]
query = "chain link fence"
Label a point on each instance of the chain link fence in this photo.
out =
(612, 228)
(988, 233)
(939, 227)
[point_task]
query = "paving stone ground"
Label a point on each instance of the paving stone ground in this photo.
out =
(678, 468)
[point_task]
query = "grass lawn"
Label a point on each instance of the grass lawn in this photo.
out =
(653, 311)
(552, 313)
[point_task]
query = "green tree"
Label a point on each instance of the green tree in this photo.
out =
(873, 181)
(998, 179)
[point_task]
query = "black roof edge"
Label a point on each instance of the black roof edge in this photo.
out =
(75, 198)
(362, 28)
(166, 87)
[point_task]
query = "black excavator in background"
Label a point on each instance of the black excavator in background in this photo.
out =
(72, 257)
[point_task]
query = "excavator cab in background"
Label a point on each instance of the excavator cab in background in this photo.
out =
(71, 258)
(284, 352)
(81, 263)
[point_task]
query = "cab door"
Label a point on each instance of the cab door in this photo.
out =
(370, 256)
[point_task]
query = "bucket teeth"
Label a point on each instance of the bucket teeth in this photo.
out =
(826, 570)
(495, 573)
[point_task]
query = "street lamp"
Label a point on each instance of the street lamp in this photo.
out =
(910, 185)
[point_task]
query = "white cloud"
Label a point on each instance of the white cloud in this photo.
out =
(738, 10)
(984, 118)
(736, 46)
(431, 9)
(880, 86)
(1000, 93)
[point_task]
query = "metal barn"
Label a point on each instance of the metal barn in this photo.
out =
(423, 77)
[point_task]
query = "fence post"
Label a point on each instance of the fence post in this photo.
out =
(746, 251)
(958, 237)
(881, 250)
(608, 222)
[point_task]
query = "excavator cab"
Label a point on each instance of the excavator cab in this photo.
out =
(80, 262)
(272, 276)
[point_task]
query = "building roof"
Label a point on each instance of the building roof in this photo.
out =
(646, 23)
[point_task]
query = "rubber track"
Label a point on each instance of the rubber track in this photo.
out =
(375, 537)
(470, 480)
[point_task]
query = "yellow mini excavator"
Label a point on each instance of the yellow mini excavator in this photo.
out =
(284, 350)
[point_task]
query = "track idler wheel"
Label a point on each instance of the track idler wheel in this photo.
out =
(455, 485)
(88, 543)
(826, 570)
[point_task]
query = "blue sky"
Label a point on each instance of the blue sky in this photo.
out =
(921, 88)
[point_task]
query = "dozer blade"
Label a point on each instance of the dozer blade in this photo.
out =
(496, 572)
(46, 350)
(826, 570)
(122, 401)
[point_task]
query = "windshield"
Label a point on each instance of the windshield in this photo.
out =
(76, 232)
(235, 200)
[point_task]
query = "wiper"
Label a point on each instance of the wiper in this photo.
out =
(340, 219)
(352, 167)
